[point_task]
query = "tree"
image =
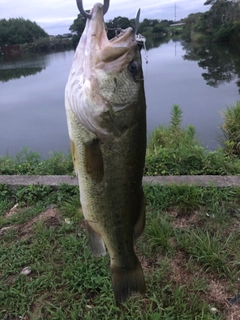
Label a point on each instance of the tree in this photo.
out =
(78, 25)
(209, 2)
(112, 25)
(117, 23)
(19, 31)
(219, 23)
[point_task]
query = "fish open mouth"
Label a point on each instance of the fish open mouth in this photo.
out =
(123, 35)
(96, 30)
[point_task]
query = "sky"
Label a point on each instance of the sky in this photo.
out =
(56, 16)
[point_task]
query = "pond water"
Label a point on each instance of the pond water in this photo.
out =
(202, 80)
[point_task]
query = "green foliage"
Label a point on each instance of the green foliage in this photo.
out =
(19, 31)
(174, 150)
(186, 198)
(219, 24)
(29, 163)
(207, 250)
(190, 22)
(5, 192)
(236, 27)
(118, 22)
(78, 24)
(32, 194)
(231, 129)
(146, 27)
(47, 45)
(159, 232)
(224, 33)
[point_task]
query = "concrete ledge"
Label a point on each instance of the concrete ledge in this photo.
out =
(13, 181)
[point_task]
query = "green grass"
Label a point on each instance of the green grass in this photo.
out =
(190, 244)
(28, 162)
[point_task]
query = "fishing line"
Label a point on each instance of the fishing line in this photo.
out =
(141, 40)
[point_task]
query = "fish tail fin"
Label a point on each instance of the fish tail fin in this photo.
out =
(95, 242)
(126, 281)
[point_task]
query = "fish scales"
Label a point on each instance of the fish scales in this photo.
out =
(106, 116)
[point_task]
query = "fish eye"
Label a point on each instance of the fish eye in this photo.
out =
(133, 67)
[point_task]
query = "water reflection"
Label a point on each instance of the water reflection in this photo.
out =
(156, 42)
(153, 42)
(32, 112)
(18, 67)
(220, 62)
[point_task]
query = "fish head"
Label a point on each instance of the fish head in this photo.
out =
(106, 76)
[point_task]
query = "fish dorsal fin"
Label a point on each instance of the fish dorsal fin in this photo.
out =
(93, 160)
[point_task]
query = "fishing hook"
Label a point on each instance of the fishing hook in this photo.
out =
(88, 15)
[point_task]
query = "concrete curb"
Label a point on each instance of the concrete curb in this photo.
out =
(13, 181)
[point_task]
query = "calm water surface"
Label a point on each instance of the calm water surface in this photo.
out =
(201, 80)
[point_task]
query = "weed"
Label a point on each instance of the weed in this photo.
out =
(207, 250)
(158, 232)
(29, 163)
(174, 150)
(231, 129)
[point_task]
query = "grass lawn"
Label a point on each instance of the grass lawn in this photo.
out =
(189, 253)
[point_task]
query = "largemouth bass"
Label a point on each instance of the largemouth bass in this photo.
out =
(106, 116)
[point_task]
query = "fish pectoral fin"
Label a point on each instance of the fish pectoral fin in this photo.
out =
(140, 224)
(95, 242)
(126, 280)
(93, 160)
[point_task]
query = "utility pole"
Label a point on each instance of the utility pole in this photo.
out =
(175, 12)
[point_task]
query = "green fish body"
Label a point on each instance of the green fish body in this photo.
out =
(106, 116)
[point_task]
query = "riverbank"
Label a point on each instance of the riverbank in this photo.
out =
(171, 150)
(47, 45)
(41, 45)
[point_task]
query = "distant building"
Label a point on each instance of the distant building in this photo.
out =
(177, 24)
(67, 35)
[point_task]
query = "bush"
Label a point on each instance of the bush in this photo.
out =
(174, 150)
(224, 33)
(29, 163)
(231, 129)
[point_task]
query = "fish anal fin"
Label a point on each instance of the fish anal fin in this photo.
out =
(126, 281)
(93, 160)
(140, 224)
(95, 242)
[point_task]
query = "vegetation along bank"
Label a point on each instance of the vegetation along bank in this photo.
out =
(172, 150)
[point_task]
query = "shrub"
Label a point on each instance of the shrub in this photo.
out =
(231, 129)
(174, 150)
(30, 163)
